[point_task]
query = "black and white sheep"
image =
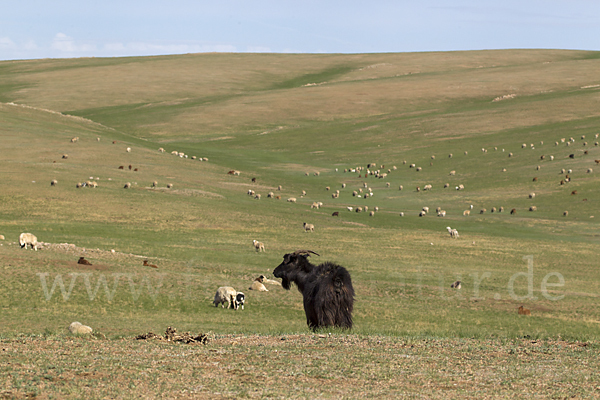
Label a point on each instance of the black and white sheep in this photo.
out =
(227, 294)
(326, 288)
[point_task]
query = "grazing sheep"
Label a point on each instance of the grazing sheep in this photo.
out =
(446, 185)
(422, 213)
(456, 285)
(523, 311)
(419, 169)
(127, 185)
(551, 158)
(533, 208)
(402, 214)
(482, 211)
(335, 214)
(317, 173)
(358, 209)
(493, 209)
(574, 192)
(531, 195)
(154, 184)
(466, 213)
(169, 185)
(250, 192)
(65, 156)
(327, 289)
(425, 209)
(566, 214)
(77, 328)
(121, 167)
(259, 246)
(589, 170)
(1, 237)
(400, 187)
(442, 213)
(303, 193)
(130, 167)
(308, 227)
(28, 239)
(291, 200)
(571, 155)
(83, 261)
(453, 232)
(535, 179)
(161, 150)
(53, 182)
(501, 209)
(513, 211)
(460, 187)
(226, 294)
(128, 150)
(75, 139)
(257, 197)
(315, 205)
(372, 213)
(270, 195)
(349, 208)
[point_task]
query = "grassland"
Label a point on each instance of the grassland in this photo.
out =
(275, 118)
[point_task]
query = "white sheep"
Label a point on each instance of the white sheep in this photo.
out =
(259, 246)
(54, 182)
(28, 239)
(226, 294)
(292, 199)
(308, 227)
(77, 328)
(161, 150)
(257, 197)
(315, 205)
(442, 213)
(453, 232)
(258, 286)
(349, 208)
(128, 150)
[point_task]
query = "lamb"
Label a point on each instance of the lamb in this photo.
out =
(83, 261)
(227, 294)
(453, 232)
(308, 227)
(326, 288)
(258, 285)
(524, 311)
(146, 264)
(77, 328)
(259, 246)
(28, 239)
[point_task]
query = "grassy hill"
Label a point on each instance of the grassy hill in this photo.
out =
(277, 118)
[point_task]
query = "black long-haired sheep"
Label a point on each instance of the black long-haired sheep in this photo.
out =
(326, 288)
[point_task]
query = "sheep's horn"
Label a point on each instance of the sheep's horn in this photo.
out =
(304, 252)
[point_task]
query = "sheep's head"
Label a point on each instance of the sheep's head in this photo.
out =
(294, 266)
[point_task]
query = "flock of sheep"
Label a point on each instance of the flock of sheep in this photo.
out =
(373, 170)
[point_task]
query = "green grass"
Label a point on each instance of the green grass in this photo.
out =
(253, 113)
